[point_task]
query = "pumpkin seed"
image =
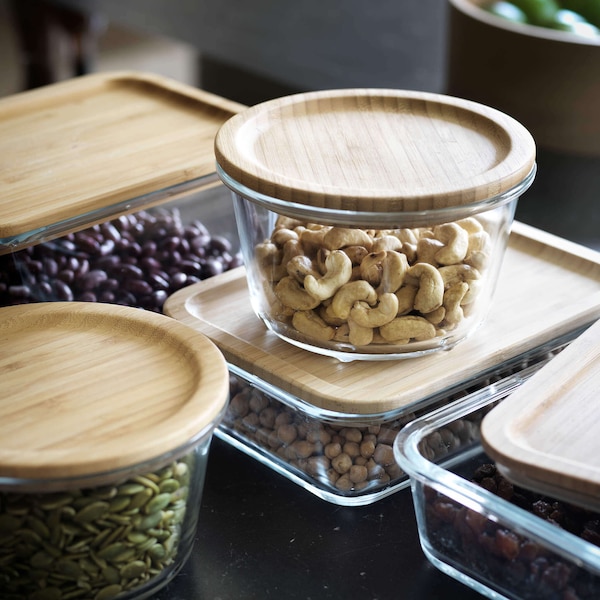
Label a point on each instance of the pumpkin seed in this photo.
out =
(92, 543)
(108, 592)
(92, 512)
(133, 569)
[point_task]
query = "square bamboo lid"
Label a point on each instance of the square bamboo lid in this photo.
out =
(85, 150)
(546, 435)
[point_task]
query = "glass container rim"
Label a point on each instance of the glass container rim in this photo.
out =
(375, 219)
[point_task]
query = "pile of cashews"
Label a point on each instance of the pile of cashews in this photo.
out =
(366, 287)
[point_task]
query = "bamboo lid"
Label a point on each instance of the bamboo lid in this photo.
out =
(374, 150)
(219, 307)
(89, 388)
(90, 148)
(545, 436)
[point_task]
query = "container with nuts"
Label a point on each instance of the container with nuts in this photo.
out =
(373, 223)
(106, 418)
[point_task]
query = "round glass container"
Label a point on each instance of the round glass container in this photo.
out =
(106, 417)
(373, 223)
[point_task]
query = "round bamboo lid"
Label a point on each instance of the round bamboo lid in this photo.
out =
(91, 388)
(374, 150)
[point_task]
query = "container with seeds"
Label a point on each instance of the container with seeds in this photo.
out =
(107, 413)
(373, 223)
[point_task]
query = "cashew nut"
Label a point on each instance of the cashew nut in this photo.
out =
(312, 239)
(309, 323)
(470, 224)
(290, 293)
(350, 293)
(456, 273)
(456, 243)
(282, 235)
(385, 310)
(291, 248)
(356, 254)
(431, 287)
(359, 335)
(300, 266)
(479, 250)
(427, 248)
(394, 269)
(437, 316)
(338, 271)
(406, 299)
(371, 267)
(408, 327)
(341, 237)
(386, 242)
(284, 222)
(452, 299)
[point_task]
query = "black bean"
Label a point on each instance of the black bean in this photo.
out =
(63, 291)
(136, 260)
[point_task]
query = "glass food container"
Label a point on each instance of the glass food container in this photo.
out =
(328, 425)
(107, 414)
(103, 178)
(373, 223)
(499, 538)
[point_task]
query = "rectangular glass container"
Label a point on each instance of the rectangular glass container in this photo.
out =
(136, 259)
(347, 459)
(491, 540)
(102, 177)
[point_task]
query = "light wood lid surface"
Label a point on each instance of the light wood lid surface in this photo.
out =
(547, 287)
(92, 142)
(87, 388)
(375, 150)
(546, 435)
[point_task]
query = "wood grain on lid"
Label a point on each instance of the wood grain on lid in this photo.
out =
(548, 432)
(87, 388)
(535, 261)
(375, 150)
(94, 141)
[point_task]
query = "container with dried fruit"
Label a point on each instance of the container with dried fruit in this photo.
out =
(505, 539)
(103, 180)
(373, 223)
(107, 413)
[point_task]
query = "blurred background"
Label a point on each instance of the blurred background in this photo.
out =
(250, 51)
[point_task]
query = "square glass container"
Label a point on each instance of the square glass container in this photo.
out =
(107, 413)
(498, 539)
(102, 180)
(373, 223)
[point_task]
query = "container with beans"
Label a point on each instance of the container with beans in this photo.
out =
(107, 413)
(499, 538)
(349, 459)
(373, 223)
(104, 181)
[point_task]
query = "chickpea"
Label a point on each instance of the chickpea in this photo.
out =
(341, 463)
(358, 473)
(287, 434)
(352, 449)
(333, 449)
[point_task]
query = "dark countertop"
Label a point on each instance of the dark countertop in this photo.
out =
(261, 536)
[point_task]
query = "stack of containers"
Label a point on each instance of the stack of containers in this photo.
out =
(383, 276)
